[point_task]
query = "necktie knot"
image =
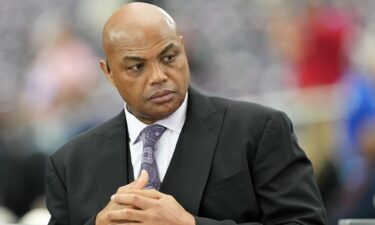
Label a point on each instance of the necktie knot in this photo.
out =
(151, 134)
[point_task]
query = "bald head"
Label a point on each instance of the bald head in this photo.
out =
(136, 22)
(146, 61)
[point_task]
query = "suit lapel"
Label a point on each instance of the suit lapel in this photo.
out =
(189, 169)
(110, 155)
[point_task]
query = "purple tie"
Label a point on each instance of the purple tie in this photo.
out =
(149, 136)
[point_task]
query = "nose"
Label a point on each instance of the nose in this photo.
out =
(157, 75)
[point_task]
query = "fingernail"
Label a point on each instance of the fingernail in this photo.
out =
(112, 197)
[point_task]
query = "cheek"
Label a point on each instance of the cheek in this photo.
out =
(127, 89)
(182, 73)
(181, 63)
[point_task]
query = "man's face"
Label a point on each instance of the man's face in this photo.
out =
(151, 74)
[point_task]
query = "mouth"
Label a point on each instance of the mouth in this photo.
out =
(162, 96)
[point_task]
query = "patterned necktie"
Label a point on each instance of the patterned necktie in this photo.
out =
(149, 136)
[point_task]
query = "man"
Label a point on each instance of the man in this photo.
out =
(219, 161)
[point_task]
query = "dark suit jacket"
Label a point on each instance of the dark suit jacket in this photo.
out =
(234, 162)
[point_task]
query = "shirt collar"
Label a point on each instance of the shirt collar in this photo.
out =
(174, 122)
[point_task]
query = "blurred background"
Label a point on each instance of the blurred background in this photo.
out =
(313, 59)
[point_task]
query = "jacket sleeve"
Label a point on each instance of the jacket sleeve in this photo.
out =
(56, 192)
(283, 179)
(207, 221)
(56, 195)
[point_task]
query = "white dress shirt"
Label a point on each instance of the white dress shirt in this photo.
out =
(165, 146)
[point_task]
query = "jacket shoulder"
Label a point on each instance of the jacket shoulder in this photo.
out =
(243, 109)
(81, 143)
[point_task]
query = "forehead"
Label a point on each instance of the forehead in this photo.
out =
(142, 44)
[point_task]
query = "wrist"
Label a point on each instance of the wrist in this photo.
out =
(97, 219)
(190, 219)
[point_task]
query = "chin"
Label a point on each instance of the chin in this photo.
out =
(165, 111)
(162, 111)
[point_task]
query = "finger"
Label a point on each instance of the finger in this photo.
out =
(137, 201)
(128, 215)
(129, 186)
(149, 193)
(119, 206)
(141, 181)
(124, 223)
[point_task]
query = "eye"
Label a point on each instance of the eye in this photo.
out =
(136, 68)
(168, 58)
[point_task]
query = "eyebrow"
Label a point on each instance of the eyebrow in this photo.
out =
(166, 49)
(137, 58)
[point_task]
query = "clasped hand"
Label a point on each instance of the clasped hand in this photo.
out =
(133, 205)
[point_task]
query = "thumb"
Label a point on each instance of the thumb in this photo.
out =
(142, 180)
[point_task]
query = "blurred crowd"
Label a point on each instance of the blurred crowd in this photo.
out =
(313, 59)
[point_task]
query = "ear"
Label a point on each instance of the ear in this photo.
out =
(106, 70)
(182, 40)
